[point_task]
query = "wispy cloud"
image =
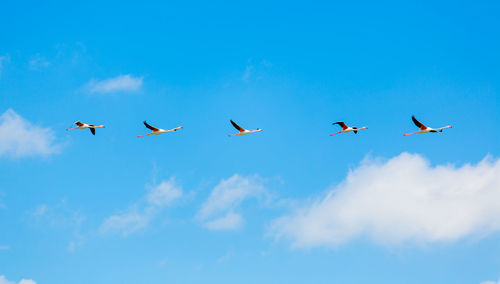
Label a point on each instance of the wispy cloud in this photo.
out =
(4, 247)
(122, 83)
(225, 257)
(3, 60)
(4, 280)
(139, 215)
(255, 71)
(230, 221)
(218, 211)
(402, 199)
(60, 216)
(38, 62)
(490, 282)
(247, 73)
(20, 138)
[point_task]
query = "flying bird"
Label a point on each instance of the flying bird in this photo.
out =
(346, 128)
(80, 125)
(157, 131)
(243, 131)
(425, 129)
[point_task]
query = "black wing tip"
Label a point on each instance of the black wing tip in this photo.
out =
(235, 125)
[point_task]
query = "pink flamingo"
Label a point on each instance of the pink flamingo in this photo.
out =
(243, 131)
(346, 128)
(157, 131)
(423, 128)
(80, 125)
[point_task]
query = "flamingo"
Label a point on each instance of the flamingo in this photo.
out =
(243, 131)
(346, 128)
(80, 125)
(423, 128)
(157, 131)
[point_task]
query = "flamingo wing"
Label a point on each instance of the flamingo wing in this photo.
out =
(240, 129)
(78, 123)
(418, 123)
(341, 123)
(150, 127)
(92, 130)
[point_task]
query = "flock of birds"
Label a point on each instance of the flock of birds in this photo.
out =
(243, 131)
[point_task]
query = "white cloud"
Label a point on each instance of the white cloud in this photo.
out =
(143, 212)
(122, 83)
(164, 194)
(217, 213)
(402, 199)
(20, 138)
(127, 222)
(231, 221)
(4, 280)
(38, 62)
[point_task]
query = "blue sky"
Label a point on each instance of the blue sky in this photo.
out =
(289, 204)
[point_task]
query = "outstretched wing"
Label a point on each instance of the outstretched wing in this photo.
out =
(418, 123)
(92, 130)
(341, 123)
(78, 123)
(240, 129)
(150, 127)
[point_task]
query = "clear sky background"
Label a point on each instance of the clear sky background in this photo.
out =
(290, 204)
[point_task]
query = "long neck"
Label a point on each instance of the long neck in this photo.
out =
(449, 126)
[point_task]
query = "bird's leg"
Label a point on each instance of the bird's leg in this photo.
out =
(335, 133)
(72, 128)
(406, 134)
(232, 135)
(145, 135)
